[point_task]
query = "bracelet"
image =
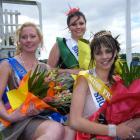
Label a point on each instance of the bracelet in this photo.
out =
(112, 130)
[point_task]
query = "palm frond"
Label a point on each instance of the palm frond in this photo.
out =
(129, 74)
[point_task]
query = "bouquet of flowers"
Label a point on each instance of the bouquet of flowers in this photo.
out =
(59, 92)
(47, 89)
(124, 104)
(33, 88)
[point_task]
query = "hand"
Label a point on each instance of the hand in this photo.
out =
(124, 131)
(134, 123)
(16, 116)
(73, 71)
(32, 111)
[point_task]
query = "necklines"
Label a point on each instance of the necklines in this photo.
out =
(105, 82)
(26, 65)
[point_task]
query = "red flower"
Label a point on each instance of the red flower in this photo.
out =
(72, 10)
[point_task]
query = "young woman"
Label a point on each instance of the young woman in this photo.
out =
(66, 52)
(92, 89)
(30, 126)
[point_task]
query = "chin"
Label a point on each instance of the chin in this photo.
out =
(107, 67)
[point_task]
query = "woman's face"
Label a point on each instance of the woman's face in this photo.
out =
(77, 27)
(103, 58)
(29, 39)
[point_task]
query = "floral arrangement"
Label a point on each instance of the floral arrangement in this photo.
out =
(59, 91)
(124, 104)
(53, 93)
(53, 88)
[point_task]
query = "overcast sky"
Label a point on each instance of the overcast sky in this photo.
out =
(100, 14)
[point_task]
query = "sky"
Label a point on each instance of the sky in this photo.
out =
(100, 15)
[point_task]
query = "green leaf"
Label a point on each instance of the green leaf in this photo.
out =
(129, 74)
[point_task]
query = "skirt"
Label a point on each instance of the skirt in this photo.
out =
(24, 130)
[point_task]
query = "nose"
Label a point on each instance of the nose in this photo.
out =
(28, 38)
(104, 55)
(78, 26)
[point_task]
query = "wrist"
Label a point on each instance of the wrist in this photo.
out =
(112, 130)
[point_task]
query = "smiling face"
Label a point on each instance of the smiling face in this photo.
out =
(104, 57)
(77, 26)
(29, 39)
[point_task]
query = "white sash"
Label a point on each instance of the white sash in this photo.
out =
(72, 45)
(97, 98)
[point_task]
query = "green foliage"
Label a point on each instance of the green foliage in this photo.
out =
(0, 136)
(36, 83)
(129, 74)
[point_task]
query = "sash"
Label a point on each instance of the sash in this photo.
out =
(84, 54)
(67, 57)
(73, 55)
(72, 45)
(97, 84)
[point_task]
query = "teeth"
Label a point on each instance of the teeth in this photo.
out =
(105, 62)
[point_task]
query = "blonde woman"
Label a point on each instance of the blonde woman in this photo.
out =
(32, 126)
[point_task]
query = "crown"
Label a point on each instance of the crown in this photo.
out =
(103, 33)
(72, 10)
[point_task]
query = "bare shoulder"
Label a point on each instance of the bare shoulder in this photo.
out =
(81, 79)
(81, 84)
(5, 67)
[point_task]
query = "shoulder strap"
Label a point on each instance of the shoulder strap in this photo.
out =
(67, 57)
(98, 85)
(84, 54)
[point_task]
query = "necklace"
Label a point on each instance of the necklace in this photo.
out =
(28, 66)
(105, 82)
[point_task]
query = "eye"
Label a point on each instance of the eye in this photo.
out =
(24, 37)
(108, 50)
(33, 36)
(81, 23)
(98, 52)
(73, 24)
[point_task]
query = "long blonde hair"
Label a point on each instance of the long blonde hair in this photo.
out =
(18, 35)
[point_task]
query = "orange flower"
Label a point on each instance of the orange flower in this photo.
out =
(51, 84)
(51, 92)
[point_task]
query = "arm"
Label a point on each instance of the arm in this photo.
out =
(5, 72)
(78, 122)
(54, 56)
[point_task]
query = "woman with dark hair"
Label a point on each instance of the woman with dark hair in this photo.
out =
(92, 89)
(66, 53)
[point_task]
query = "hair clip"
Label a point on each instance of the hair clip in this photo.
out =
(72, 10)
(103, 33)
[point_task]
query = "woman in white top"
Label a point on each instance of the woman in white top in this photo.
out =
(87, 97)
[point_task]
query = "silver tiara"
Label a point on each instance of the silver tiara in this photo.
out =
(103, 33)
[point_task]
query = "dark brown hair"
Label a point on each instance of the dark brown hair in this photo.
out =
(104, 38)
(78, 14)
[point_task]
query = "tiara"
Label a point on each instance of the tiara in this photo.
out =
(72, 10)
(103, 33)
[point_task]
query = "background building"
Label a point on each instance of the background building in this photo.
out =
(9, 22)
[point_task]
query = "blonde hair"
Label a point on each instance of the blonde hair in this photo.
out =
(19, 31)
